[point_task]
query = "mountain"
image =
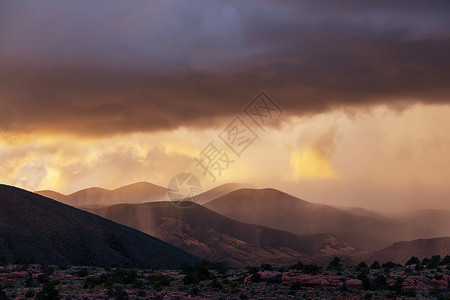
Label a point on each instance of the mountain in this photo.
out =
(134, 193)
(140, 192)
(36, 228)
(275, 209)
(217, 238)
(401, 252)
(434, 219)
(220, 190)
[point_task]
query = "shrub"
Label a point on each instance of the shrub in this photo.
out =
(48, 292)
(83, 272)
(129, 277)
(190, 279)
(256, 277)
(195, 291)
(142, 293)
(266, 267)
(365, 281)
(296, 286)
(380, 283)
(3, 295)
(29, 294)
(3, 261)
(216, 284)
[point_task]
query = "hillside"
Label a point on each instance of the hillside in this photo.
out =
(214, 237)
(134, 193)
(275, 209)
(38, 229)
(401, 252)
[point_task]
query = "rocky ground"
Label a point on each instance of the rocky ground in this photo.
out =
(214, 281)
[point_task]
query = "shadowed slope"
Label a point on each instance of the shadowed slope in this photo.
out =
(402, 251)
(218, 238)
(36, 228)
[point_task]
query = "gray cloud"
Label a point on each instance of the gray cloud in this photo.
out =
(117, 67)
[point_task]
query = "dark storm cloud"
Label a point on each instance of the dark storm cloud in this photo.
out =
(137, 66)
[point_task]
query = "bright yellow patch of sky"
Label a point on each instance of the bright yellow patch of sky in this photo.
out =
(311, 164)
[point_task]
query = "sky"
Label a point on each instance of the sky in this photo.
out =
(354, 97)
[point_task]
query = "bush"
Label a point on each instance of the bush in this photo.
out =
(296, 286)
(3, 295)
(29, 294)
(256, 277)
(380, 283)
(190, 279)
(129, 277)
(159, 279)
(195, 291)
(83, 272)
(3, 261)
(48, 292)
(365, 281)
(216, 284)
(398, 286)
(142, 293)
(266, 267)
(203, 274)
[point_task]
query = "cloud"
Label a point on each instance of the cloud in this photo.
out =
(112, 68)
(312, 157)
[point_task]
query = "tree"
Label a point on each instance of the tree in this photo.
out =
(375, 265)
(335, 264)
(412, 261)
(48, 292)
(365, 281)
(3, 294)
(362, 267)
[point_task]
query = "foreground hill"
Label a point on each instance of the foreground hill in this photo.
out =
(402, 251)
(275, 209)
(38, 229)
(214, 237)
(134, 193)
